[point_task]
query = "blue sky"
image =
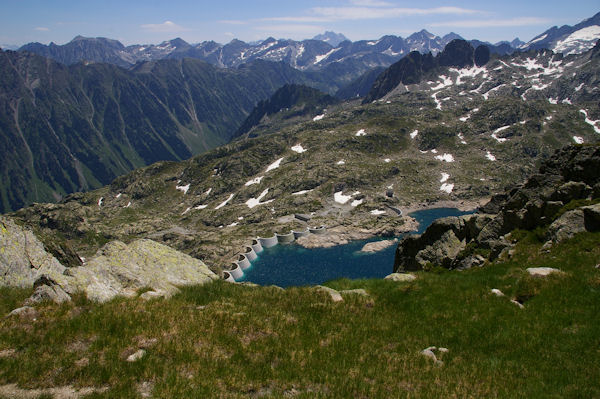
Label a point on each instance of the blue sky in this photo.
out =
(153, 21)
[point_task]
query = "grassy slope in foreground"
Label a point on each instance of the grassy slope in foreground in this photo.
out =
(226, 340)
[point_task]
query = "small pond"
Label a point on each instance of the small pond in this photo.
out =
(292, 265)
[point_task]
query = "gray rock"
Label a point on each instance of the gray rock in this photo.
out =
(335, 295)
(471, 261)
(120, 269)
(497, 292)
(24, 311)
(149, 295)
(134, 357)
(401, 277)
(519, 304)
(542, 271)
(591, 216)
(47, 289)
(443, 251)
(377, 246)
(571, 191)
(566, 226)
(23, 257)
(357, 291)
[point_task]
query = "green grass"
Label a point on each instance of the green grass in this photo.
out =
(225, 340)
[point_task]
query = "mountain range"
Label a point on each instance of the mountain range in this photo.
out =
(71, 128)
(464, 129)
(103, 109)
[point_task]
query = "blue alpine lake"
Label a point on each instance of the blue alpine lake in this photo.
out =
(292, 265)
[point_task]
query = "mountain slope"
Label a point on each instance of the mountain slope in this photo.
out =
(293, 100)
(568, 39)
(67, 129)
(456, 135)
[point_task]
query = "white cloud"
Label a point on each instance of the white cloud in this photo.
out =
(42, 29)
(167, 26)
(371, 3)
(353, 13)
(520, 21)
(232, 22)
(369, 9)
(292, 29)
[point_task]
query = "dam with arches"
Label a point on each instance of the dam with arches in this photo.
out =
(278, 261)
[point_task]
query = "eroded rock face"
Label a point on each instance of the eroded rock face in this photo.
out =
(23, 258)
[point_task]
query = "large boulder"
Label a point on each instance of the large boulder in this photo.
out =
(566, 226)
(121, 269)
(23, 257)
(591, 217)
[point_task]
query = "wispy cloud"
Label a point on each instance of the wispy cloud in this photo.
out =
(371, 3)
(232, 22)
(167, 26)
(291, 29)
(370, 9)
(42, 29)
(519, 21)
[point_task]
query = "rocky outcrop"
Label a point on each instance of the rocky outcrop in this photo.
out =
(116, 269)
(461, 242)
(23, 258)
(121, 269)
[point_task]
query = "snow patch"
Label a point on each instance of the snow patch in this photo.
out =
(340, 162)
(361, 132)
(445, 177)
(377, 212)
(118, 195)
(462, 138)
(490, 156)
(200, 207)
(256, 180)
(320, 58)
(445, 157)
(208, 191)
(100, 201)
(414, 134)
(274, 165)
(445, 82)
(252, 202)
(578, 41)
(298, 148)
(590, 122)
(578, 140)
(340, 198)
(356, 203)
(387, 160)
(183, 189)
(447, 187)
(128, 205)
(319, 117)
(553, 100)
(302, 192)
(222, 204)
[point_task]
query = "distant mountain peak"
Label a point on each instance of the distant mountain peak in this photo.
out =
(331, 38)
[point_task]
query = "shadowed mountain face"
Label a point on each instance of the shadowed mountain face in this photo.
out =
(71, 128)
(411, 69)
(294, 100)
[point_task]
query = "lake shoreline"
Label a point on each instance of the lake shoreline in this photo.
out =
(341, 235)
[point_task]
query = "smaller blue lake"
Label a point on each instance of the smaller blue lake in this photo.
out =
(292, 265)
